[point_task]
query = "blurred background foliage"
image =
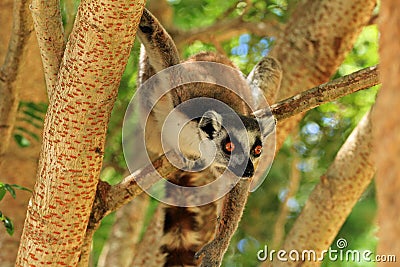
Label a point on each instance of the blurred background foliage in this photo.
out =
(305, 156)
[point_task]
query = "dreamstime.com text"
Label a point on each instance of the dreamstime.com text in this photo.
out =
(339, 254)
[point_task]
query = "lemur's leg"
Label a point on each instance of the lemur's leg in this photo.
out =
(158, 52)
(145, 69)
(160, 47)
(232, 211)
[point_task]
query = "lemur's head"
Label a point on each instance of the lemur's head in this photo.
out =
(236, 140)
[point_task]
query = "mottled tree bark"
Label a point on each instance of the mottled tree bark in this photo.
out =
(316, 40)
(147, 252)
(74, 132)
(387, 132)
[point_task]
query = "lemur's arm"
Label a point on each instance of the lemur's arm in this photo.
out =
(232, 211)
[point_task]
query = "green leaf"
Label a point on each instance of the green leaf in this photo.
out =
(37, 126)
(2, 193)
(32, 115)
(11, 190)
(32, 134)
(9, 226)
(42, 108)
(21, 188)
(21, 140)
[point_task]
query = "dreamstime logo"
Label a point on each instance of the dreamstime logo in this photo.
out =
(333, 255)
(156, 93)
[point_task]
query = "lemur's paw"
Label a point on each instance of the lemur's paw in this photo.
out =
(210, 255)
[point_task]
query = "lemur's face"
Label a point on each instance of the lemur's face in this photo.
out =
(237, 141)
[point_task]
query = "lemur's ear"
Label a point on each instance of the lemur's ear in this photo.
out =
(267, 76)
(210, 123)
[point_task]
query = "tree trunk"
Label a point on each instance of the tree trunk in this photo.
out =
(74, 132)
(387, 132)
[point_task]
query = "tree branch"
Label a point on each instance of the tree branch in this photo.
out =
(21, 30)
(237, 197)
(120, 249)
(385, 116)
(325, 93)
(50, 35)
(110, 198)
(284, 212)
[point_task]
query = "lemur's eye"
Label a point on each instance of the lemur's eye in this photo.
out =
(229, 147)
(257, 150)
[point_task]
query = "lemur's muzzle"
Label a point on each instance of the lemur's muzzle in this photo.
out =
(243, 170)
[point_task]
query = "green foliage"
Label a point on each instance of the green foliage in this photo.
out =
(4, 188)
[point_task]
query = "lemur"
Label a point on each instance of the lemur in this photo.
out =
(188, 229)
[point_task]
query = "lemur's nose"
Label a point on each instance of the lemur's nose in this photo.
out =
(249, 171)
(244, 170)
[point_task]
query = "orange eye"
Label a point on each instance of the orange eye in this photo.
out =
(229, 146)
(258, 150)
